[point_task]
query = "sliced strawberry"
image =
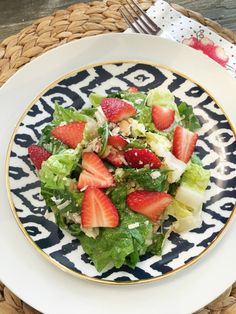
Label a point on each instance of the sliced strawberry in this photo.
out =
(184, 142)
(95, 173)
(88, 179)
(139, 157)
(116, 109)
(116, 158)
(98, 210)
(133, 89)
(37, 155)
(150, 204)
(70, 134)
(117, 141)
(162, 117)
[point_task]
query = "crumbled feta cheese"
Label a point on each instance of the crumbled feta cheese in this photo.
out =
(140, 162)
(155, 174)
(133, 226)
(57, 201)
(115, 131)
(63, 205)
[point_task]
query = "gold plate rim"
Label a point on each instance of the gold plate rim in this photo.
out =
(44, 254)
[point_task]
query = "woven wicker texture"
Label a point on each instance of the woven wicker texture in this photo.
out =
(78, 21)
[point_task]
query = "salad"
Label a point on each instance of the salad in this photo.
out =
(115, 173)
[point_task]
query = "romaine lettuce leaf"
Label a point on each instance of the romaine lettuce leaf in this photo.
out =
(190, 197)
(159, 144)
(175, 166)
(192, 186)
(137, 128)
(118, 196)
(186, 218)
(62, 201)
(159, 239)
(157, 245)
(56, 169)
(178, 210)
(121, 245)
(188, 119)
(148, 179)
(66, 115)
(103, 132)
(145, 117)
(196, 177)
(95, 99)
(137, 143)
(88, 111)
(161, 97)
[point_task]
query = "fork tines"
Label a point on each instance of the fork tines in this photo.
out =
(137, 19)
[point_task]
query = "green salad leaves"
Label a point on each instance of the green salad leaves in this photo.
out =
(62, 174)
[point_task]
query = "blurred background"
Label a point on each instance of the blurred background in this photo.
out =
(17, 14)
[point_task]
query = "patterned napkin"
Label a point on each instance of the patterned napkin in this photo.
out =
(193, 34)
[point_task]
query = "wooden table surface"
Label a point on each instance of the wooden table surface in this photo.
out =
(17, 14)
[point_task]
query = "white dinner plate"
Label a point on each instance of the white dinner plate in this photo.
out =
(49, 289)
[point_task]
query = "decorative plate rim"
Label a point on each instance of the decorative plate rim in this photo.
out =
(52, 260)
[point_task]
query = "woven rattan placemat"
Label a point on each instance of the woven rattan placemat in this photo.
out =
(78, 21)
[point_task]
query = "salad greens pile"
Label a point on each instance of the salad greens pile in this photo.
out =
(136, 233)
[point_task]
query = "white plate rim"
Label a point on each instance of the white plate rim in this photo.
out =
(107, 38)
(50, 259)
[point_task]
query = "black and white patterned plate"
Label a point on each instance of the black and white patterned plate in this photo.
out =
(216, 147)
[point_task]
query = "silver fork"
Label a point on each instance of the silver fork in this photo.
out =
(137, 19)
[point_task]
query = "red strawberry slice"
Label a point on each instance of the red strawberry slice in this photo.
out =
(98, 210)
(133, 89)
(116, 109)
(139, 157)
(162, 117)
(184, 142)
(70, 134)
(88, 179)
(150, 204)
(116, 158)
(95, 173)
(117, 141)
(37, 155)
